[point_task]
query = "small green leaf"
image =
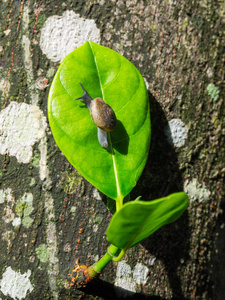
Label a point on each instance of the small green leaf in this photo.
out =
(137, 220)
(104, 73)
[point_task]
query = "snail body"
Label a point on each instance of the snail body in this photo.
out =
(102, 115)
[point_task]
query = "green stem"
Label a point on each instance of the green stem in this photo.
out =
(120, 256)
(113, 253)
(119, 203)
(97, 267)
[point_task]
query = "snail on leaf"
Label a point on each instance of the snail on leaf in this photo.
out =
(102, 115)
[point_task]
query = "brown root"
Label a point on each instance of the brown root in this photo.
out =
(79, 277)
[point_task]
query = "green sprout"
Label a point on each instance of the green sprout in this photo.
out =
(112, 159)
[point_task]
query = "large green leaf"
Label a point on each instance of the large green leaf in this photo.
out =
(137, 220)
(104, 73)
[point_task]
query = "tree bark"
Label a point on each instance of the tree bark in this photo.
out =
(51, 216)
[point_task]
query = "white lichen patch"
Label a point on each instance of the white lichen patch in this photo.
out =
(140, 273)
(67, 248)
(123, 270)
(151, 261)
(24, 208)
(15, 284)
(32, 182)
(73, 209)
(124, 277)
(28, 64)
(7, 197)
(7, 32)
(96, 194)
(176, 132)
(51, 240)
(21, 126)
(62, 34)
(42, 253)
(8, 236)
(8, 214)
(16, 222)
(196, 191)
(50, 72)
(95, 228)
(213, 91)
(41, 83)
(8, 200)
(126, 283)
(4, 83)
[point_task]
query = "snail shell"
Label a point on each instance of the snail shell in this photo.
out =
(102, 115)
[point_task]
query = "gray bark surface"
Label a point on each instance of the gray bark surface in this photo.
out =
(178, 48)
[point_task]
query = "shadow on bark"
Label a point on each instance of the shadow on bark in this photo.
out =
(109, 291)
(217, 263)
(162, 177)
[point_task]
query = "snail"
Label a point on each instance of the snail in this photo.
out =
(102, 115)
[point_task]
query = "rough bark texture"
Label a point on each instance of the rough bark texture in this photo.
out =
(50, 215)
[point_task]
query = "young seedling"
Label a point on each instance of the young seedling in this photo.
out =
(111, 158)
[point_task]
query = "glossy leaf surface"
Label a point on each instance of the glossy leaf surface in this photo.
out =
(104, 73)
(139, 219)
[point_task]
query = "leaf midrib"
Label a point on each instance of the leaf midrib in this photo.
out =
(109, 137)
